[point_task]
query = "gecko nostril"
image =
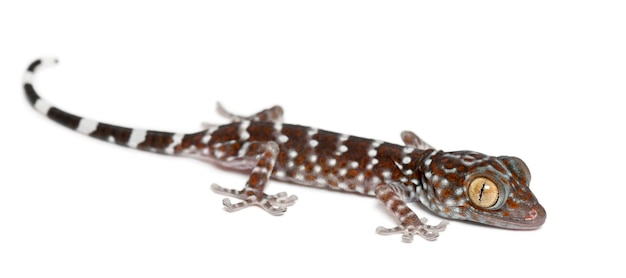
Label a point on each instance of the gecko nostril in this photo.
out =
(532, 214)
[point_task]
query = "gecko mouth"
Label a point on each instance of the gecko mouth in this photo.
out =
(534, 217)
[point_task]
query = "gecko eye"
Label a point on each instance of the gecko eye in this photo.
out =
(483, 192)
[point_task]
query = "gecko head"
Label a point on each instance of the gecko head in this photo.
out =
(479, 188)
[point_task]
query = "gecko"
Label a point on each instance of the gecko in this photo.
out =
(459, 185)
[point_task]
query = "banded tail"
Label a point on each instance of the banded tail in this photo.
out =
(147, 140)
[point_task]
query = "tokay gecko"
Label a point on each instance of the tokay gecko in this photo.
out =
(462, 185)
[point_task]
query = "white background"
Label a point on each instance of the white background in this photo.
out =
(535, 79)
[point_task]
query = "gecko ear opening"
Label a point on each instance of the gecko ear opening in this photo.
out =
(517, 167)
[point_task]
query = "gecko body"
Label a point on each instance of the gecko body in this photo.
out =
(462, 185)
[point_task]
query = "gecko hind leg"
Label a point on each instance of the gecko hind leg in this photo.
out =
(252, 194)
(410, 224)
(272, 114)
(412, 140)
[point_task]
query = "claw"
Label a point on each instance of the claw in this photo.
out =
(276, 211)
(225, 191)
(237, 206)
(407, 237)
(439, 228)
(426, 234)
(282, 199)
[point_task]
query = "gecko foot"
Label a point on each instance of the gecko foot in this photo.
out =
(427, 232)
(273, 204)
(273, 114)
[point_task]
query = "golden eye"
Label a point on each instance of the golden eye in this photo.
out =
(483, 192)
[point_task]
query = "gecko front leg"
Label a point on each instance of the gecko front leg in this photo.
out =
(410, 223)
(252, 193)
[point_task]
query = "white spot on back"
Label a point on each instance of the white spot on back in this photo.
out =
(342, 171)
(244, 135)
(317, 168)
(86, 126)
(219, 154)
(372, 153)
(208, 134)
(387, 174)
(137, 136)
(343, 186)
(313, 143)
(283, 138)
(406, 160)
(278, 126)
(331, 162)
(243, 130)
(375, 180)
(206, 138)
(343, 149)
(292, 154)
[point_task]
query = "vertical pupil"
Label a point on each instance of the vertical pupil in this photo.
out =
(482, 189)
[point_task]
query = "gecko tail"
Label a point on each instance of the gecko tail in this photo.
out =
(147, 140)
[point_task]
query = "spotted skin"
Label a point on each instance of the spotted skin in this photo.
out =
(394, 174)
